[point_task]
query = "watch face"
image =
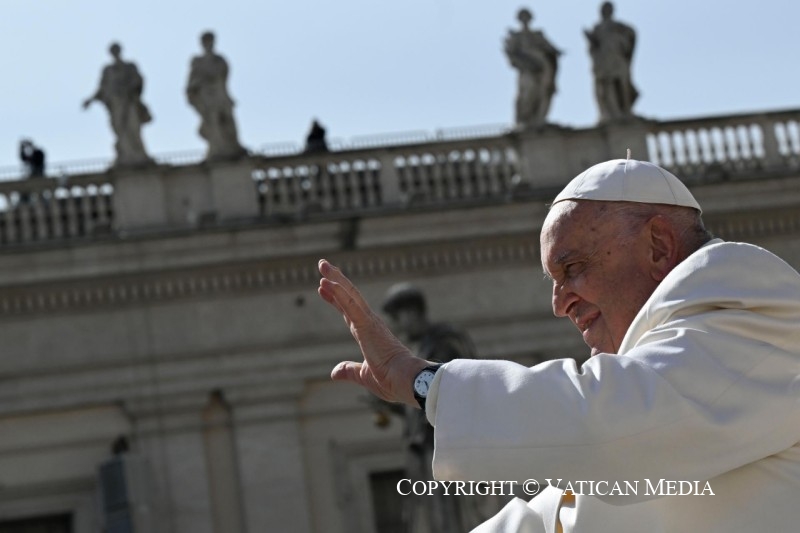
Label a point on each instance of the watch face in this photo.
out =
(423, 382)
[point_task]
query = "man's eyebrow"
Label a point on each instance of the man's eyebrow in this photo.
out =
(562, 258)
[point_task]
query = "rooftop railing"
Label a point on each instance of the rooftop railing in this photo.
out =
(374, 174)
(51, 209)
(278, 149)
(424, 173)
(727, 145)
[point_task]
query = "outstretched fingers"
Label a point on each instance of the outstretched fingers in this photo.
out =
(388, 367)
(337, 290)
(333, 273)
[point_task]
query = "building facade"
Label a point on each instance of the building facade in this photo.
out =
(166, 358)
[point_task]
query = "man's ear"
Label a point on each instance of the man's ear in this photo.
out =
(664, 247)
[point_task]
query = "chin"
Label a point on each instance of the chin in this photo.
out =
(598, 350)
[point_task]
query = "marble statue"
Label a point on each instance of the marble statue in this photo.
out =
(536, 59)
(611, 46)
(120, 91)
(207, 92)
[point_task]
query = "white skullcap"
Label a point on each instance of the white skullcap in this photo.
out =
(628, 180)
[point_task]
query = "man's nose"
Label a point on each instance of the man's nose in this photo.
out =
(563, 298)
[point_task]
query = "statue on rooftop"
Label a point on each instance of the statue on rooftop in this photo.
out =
(611, 45)
(536, 59)
(207, 92)
(120, 91)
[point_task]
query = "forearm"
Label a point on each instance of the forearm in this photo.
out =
(616, 418)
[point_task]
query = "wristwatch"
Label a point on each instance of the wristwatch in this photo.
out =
(422, 384)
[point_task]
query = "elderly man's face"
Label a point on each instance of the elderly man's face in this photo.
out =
(600, 270)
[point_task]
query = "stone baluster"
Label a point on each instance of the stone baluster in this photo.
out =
(433, 180)
(39, 229)
(772, 154)
(493, 164)
(23, 211)
(71, 214)
(349, 189)
(320, 185)
(373, 182)
(57, 217)
(391, 192)
(9, 225)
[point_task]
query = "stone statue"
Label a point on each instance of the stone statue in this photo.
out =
(120, 91)
(406, 307)
(207, 92)
(537, 62)
(611, 45)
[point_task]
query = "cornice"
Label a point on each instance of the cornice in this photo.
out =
(299, 272)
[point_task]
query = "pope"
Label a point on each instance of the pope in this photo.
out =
(694, 375)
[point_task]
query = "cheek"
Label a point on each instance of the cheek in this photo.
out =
(620, 308)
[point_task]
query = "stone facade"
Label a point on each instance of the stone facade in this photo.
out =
(176, 307)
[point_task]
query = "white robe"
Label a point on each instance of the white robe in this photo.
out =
(706, 387)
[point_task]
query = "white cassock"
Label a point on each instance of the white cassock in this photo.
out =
(706, 387)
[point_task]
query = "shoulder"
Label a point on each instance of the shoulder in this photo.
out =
(723, 276)
(621, 26)
(721, 269)
(749, 267)
(130, 67)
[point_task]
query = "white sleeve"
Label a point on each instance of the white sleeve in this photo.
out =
(696, 397)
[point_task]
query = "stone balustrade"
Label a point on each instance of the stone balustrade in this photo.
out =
(41, 209)
(737, 144)
(336, 182)
(382, 174)
(369, 179)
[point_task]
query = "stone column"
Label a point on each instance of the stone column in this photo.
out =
(175, 448)
(223, 466)
(270, 450)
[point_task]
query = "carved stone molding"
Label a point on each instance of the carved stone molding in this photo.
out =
(280, 274)
(299, 272)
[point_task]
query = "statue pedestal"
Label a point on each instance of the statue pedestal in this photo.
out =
(184, 197)
(548, 154)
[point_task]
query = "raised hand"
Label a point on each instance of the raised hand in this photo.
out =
(389, 368)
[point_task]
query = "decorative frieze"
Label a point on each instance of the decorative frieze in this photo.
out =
(277, 274)
(299, 272)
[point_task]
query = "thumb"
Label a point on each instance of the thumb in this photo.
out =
(347, 371)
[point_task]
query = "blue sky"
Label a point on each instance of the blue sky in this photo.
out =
(368, 67)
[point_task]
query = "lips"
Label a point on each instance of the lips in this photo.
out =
(585, 322)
